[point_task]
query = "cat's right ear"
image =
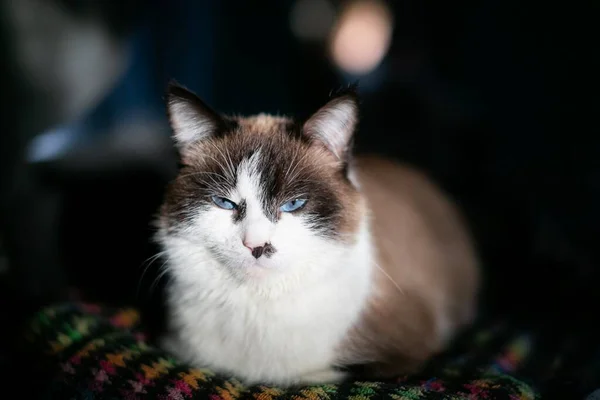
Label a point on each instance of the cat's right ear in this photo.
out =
(191, 119)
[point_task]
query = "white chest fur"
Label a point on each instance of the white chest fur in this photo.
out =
(280, 328)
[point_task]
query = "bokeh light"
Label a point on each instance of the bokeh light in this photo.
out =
(361, 36)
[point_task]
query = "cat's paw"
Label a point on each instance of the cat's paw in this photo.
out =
(326, 376)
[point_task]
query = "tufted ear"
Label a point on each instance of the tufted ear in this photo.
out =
(191, 119)
(334, 124)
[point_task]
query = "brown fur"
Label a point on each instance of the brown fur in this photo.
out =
(424, 248)
(317, 172)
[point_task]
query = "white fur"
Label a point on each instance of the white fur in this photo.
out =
(257, 229)
(189, 125)
(272, 320)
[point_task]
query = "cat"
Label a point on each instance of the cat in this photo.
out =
(290, 259)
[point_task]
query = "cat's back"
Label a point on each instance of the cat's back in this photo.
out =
(406, 206)
(426, 275)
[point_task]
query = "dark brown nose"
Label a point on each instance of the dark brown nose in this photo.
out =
(258, 251)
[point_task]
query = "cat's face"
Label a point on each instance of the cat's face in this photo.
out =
(262, 193)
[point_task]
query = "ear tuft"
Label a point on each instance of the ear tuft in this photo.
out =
(191, 119)
(334, 124)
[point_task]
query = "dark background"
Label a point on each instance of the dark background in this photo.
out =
(497, 100)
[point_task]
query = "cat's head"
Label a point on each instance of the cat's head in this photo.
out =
(263, 192)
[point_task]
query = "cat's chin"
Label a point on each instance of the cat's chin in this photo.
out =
(258, 273)
(258, 268)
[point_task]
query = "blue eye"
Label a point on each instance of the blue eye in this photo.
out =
(293, 205)
(223, 203)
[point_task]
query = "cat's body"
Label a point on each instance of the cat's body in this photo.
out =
(287, 258)
(426, 276)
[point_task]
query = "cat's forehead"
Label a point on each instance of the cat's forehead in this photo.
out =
(278, 140)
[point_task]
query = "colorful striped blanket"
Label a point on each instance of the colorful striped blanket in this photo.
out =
(91, 352)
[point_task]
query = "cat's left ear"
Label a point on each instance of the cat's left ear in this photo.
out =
(191, 119)
(334, 124)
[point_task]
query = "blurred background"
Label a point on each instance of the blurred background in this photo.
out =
(496, 100)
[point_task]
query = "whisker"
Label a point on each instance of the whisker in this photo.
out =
(160, 275)
(230, 163)
(292, 163)
(390, 278)
(146, 265)
(295, 172)
(226, 168)
(227, 160)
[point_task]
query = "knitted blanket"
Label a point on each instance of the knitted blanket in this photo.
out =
(91, 352)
